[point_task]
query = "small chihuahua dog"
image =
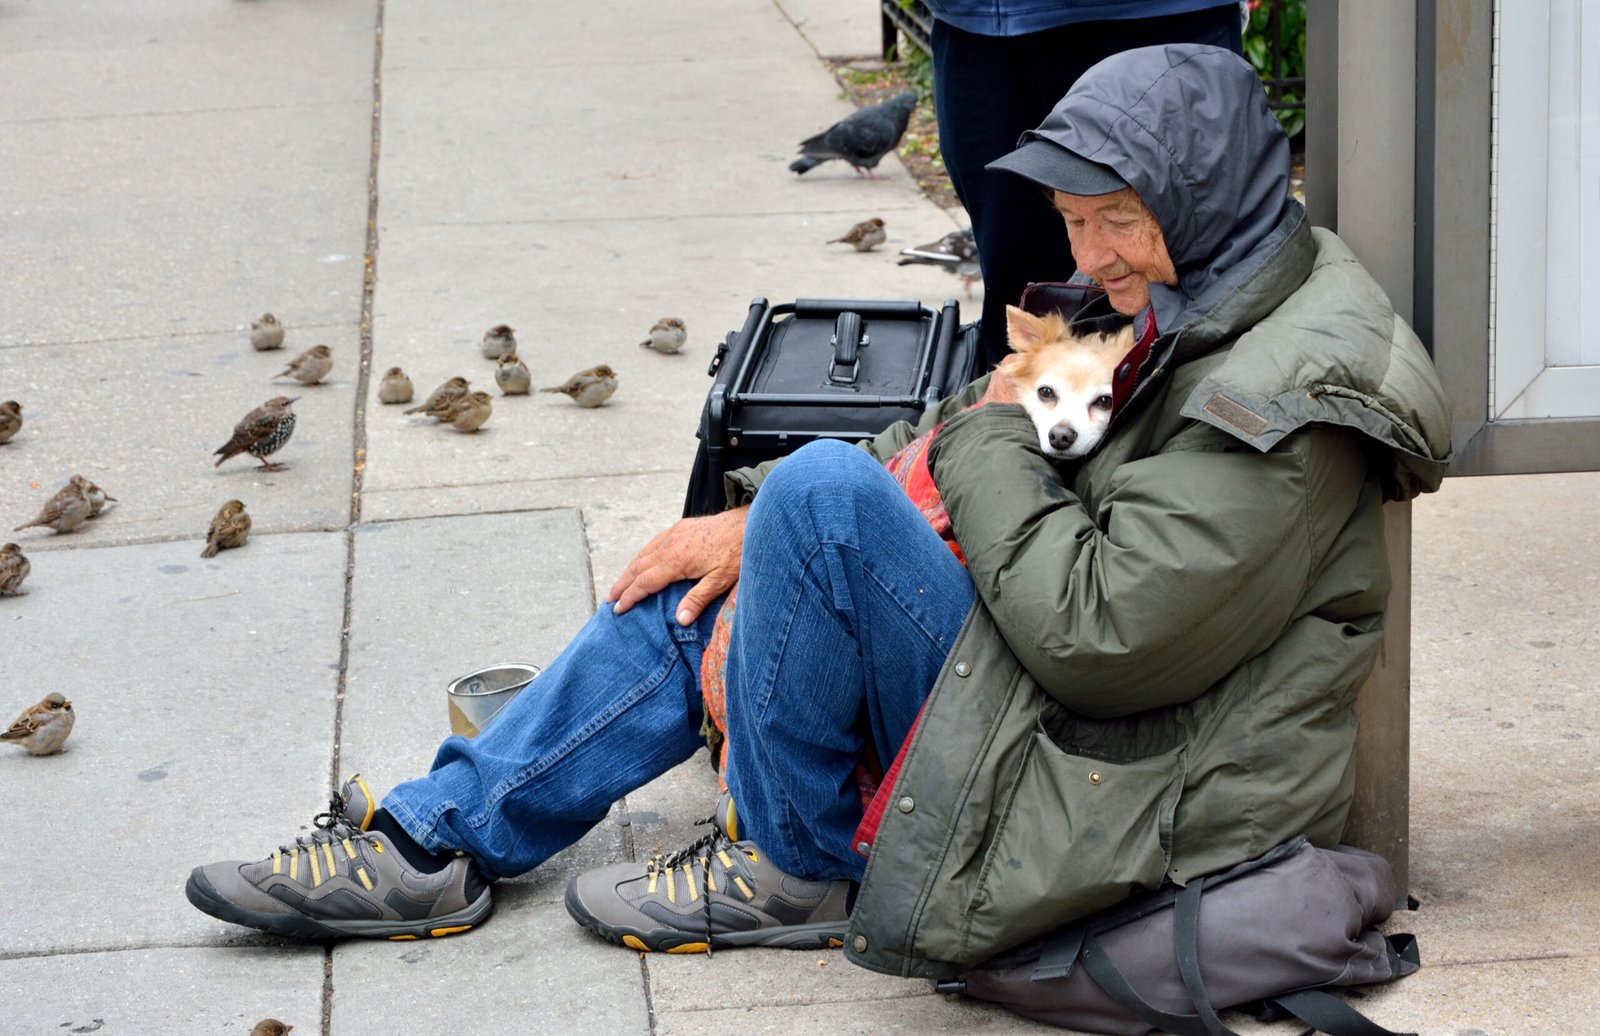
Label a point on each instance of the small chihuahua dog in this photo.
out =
(1064, 380)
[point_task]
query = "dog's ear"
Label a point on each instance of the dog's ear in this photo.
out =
(1023, 330)
(1123, 340)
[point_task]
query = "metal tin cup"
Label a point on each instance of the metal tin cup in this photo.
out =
(475, 698)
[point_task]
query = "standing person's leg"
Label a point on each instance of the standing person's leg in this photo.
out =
(619, 705)
(848, 603)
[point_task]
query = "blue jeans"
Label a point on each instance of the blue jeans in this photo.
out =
(848, 604)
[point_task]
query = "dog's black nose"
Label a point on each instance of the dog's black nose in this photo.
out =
(1062, 437)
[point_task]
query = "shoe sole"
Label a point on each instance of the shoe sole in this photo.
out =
(819, 935)
(298, 926)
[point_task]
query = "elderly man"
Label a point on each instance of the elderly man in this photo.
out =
(1145, 672)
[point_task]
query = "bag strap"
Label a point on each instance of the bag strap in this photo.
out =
(1186, 941)
(1104, 971)
(1325, 1012)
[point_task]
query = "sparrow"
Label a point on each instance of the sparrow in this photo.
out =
(10, 419)
(498, 341)
(64, 512)
(956, 253)
(310, 366)
(14, 568)
(864, 236)
(229, 529)
(469, 412)
(43, 729)
(666, 336)
(97, 496)
(588, 388)
(262, 432)
(271, 1027)
(512, 376)
(441, 396)
(861, 138)
(395, 387)
(266, 333)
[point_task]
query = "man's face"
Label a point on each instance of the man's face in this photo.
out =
(1116, 241)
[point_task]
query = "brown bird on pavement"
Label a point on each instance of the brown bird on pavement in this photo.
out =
(262, 432)
(229, 529)
(97, 496)
(14, 568)
(395, 387)
(498, 342)
(441, 396)
(588, 388)
(310, 366)
(271, 1027)
(667, 335)
(864, 236)
(512, 376)
(64, 512)
(469, 412)
(266, 333)
(10, 419)
(43, 728)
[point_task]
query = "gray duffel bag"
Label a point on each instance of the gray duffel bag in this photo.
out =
(1270, 936)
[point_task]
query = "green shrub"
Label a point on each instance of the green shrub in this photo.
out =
(1292, 31)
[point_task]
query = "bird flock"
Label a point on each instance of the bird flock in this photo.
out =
(42, 728)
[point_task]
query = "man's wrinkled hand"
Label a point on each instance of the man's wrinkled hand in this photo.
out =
(706, 549)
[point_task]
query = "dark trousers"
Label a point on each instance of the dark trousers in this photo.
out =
(989, 89)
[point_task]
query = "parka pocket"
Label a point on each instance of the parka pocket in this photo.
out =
(1077, 833)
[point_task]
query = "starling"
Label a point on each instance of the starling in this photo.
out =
(468, 413)
(266, 333)
(310, 366)
(441, 396)
(864, 236)
(63, 512)
(43, 729)
(666, 336)
(97, 496)
(588, 388)
(498, 342)
(14, 568)
(262, 432)
(512, 376)
(10, 419)
(395, 387)
(229, 529)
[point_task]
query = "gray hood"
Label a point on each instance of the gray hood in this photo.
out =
(1187, 126)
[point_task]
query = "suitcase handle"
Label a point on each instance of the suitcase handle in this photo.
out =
(847, 342)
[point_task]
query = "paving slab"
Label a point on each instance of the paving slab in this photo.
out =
(199, 685)
(181, 223)
(144, 418)
(139, 992)
(837, 30)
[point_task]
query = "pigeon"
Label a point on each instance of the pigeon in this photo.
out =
(864, 236)
(667, 335)
(860, 138)
(956, 253)
(588, 388)
(266, 333)
(261, 432)
(43, 728)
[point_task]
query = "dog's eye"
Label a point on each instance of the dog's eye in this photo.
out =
(1103, 403)
(1047, 394)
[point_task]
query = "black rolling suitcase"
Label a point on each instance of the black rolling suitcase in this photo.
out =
(823, 369)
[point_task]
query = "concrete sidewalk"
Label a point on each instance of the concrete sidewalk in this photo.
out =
(391, 179)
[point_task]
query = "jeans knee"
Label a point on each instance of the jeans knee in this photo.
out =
(829, 469)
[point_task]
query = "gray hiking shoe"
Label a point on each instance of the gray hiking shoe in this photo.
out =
(341, 880)
(716, 893)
